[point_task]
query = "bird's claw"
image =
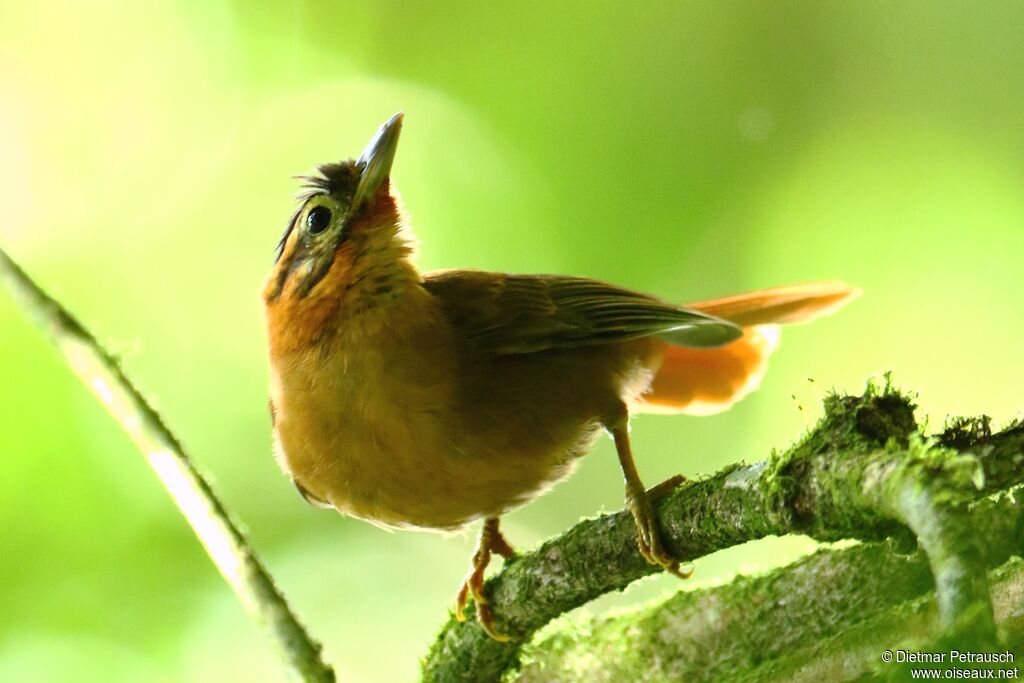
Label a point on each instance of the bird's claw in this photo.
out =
(648, 534)
(491, 541)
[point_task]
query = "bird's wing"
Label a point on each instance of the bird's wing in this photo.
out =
(509, 314)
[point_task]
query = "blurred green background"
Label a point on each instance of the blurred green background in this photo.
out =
(687, 149)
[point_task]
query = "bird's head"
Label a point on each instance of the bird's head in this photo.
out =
(344, 249)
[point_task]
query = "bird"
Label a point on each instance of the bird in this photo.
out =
(433, 400)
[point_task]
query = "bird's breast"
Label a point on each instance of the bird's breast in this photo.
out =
(365, 426)
(405, 428)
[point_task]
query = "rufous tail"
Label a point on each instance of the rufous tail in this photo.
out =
(705, 381)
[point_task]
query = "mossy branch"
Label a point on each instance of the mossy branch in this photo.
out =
(863, 472)
(828, 616)
(225, 543)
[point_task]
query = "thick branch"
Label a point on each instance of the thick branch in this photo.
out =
(862, 472)
(225, 543)
(828, 616)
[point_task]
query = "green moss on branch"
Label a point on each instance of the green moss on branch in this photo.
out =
(864, 471)
(828, 616)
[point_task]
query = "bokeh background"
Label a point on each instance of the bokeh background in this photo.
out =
(689, 149)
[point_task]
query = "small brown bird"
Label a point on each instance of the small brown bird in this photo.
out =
(430, 400)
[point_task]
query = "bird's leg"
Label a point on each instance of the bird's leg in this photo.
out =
(638, 501)
(491, 541)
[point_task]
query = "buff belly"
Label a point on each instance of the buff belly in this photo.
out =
(435, 448)
(428, 481)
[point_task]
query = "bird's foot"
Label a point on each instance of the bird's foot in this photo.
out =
(649, 541)
(491, 541)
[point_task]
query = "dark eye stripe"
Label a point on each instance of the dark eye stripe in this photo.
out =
(318, 220)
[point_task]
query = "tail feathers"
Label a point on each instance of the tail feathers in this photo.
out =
(792, 304)
(706, 381)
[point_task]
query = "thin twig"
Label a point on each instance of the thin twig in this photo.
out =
(225, 543)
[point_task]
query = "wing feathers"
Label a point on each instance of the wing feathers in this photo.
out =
(526, 313)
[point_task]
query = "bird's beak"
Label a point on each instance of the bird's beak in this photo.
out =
(374, 163)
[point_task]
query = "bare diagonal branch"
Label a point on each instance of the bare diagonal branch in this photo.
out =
(225, 543)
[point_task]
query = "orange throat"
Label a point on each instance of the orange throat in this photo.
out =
(370, 270)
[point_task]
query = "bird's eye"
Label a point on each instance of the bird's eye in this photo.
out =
(318, 220)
